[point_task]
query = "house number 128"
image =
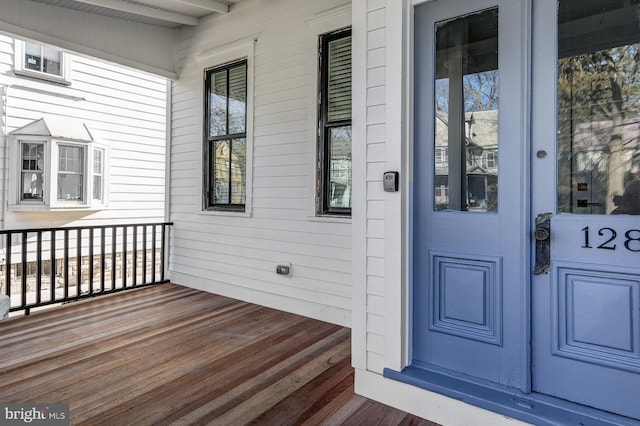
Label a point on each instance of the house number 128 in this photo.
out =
(609, 236)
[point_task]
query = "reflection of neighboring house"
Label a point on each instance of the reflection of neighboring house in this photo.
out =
(481, 141)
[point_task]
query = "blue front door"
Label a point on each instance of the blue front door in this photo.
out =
(586, 118)
(470, 224)
(527, 110)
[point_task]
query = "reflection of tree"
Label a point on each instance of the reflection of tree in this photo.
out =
(597, 87)
(218, 115)
(340, 167)
(480, 92)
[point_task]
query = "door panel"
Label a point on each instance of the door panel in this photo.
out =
(469, 227)
(586, 115)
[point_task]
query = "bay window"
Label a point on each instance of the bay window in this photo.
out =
(62, 172)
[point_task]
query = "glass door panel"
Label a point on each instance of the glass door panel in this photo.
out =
(598, 108)
(466, 113)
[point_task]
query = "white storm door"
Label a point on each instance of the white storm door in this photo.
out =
(586, 155)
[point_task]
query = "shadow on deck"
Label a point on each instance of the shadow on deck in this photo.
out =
(167, 354)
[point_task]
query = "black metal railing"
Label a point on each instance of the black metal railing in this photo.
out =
(45, 266)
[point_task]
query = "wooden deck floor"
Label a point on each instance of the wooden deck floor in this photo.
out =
(170, 355)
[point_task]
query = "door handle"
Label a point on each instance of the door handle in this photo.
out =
(542, 235)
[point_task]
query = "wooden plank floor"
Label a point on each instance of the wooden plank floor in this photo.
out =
(169, 355)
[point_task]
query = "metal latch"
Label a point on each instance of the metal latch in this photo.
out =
(542, 235)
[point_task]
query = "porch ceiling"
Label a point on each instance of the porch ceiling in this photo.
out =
(136, 33)
(165, 13)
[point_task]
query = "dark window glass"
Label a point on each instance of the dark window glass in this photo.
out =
(226, 113)
(334, 186)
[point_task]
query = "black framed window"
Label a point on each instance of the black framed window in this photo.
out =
(334, 127)
(226, 136)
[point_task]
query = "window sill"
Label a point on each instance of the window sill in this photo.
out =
(329, 218)
(44, 208)
(230, 213)
(43, 76)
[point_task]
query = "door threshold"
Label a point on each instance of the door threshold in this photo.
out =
(533, 408)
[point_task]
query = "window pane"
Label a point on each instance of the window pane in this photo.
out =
(466, 113)
(33, 156)
(97, 187)
(70, 172)
(70, 187)
(97, 174)
(51, 61)
(32, 185)
(71, 159)
(237, 99)
(598, 108)
(340, 167)
(221, 158)
(32, 56)
(218, 104)
(238, 171)
(339, 79)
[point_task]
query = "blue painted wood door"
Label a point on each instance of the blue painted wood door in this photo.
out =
(547, 125)
(470, 226)
(586, 309)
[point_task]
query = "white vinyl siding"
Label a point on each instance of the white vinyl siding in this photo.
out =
(126, 112)
(237, 256)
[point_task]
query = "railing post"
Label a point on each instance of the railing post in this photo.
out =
(90, 256)
(78, 262)
(154, 233)
(54, 265)
(102, 255)
(66, 263)
(39, 267)
(134, 267)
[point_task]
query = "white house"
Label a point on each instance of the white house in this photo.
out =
(83, 143)
(98, 126)
(519, 312)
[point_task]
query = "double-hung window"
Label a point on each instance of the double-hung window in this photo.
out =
(71, 159)
(226, 137)
(40, 61)
(33, 168)
(98, 175)
(334, 124)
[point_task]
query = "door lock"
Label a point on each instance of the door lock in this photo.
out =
(542, 235)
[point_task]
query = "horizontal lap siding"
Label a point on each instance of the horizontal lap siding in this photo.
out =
(375, 160)
(124, 109)
(235, 255)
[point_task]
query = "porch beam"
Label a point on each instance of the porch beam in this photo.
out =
(142, 10)
(210, 5)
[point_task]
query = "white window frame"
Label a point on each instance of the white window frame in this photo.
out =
(102, 173)
(242, 49)
(21, 69)
(50, 200)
